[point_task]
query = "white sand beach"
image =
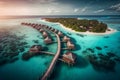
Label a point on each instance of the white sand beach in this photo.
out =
(91, 33)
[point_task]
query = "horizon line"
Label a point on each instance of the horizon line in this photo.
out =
(62, 15)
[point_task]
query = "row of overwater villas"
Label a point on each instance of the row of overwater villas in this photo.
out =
(68, 57)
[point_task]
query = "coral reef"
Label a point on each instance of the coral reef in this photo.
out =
(10, 46)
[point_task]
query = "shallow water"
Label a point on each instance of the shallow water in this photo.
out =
(36, 66)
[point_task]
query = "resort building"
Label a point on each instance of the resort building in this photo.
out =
(47, 27)
(60, 34)
(45, 34)
(40, 25)
(70, 45)
(41, 30)
(47, 40)
(90, 28)
(55, 30)
(81, 26)
(69, 58)
(35, 48)
(22, 23)
(36, 27)
(33, 25)
(25, 23)
(50, 28)
(65, 39)
(28, 24)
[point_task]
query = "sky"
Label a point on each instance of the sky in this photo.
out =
(59, 7)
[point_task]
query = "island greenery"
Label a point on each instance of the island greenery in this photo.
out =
(81, 25)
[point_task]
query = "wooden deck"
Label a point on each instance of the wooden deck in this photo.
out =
(49, 53)
(52, 65)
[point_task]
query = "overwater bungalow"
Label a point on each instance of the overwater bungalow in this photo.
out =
(35, 26)
(29, 24)
(65, 39)
(69, 58)
(47, 27)
(45, 34)
(26, 23)
(39, 27)
(32, 25)
(35, 49)
(70, 45)
(39, 24)
(41, 30)
(22, 23)
(55, 30)
(52, 29)
(47, 40)
(60, 34)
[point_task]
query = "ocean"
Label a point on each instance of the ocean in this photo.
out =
(16, 38)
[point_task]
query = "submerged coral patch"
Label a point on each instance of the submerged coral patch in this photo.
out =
(10, 46)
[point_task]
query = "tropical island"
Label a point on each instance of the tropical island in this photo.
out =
(81, 25)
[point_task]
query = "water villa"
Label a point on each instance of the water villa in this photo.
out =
(60, 34)
(48, 40)
(69, 58)
(47, 27)
(66, 39)
(37, 27)
(55, 30)
(35, 49)
(70, 45)
(45, 34)
(33, 25)
(22, 23)
(50, 28)
(41, 30)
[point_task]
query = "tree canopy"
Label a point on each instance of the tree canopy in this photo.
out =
(81, 25)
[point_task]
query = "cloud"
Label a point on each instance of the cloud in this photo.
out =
(80, 10)
(99, 11)
(115, 7)
(76, 9)
(84, 9)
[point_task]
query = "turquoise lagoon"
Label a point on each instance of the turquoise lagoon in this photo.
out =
(37, 65)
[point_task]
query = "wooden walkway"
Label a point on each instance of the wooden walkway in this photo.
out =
(52, 65)
(49, 53)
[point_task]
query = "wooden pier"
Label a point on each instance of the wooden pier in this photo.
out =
(49, 53)
(52, 65)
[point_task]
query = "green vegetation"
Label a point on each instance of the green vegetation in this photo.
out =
(81, 25)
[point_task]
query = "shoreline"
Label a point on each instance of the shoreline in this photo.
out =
(87, 32)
